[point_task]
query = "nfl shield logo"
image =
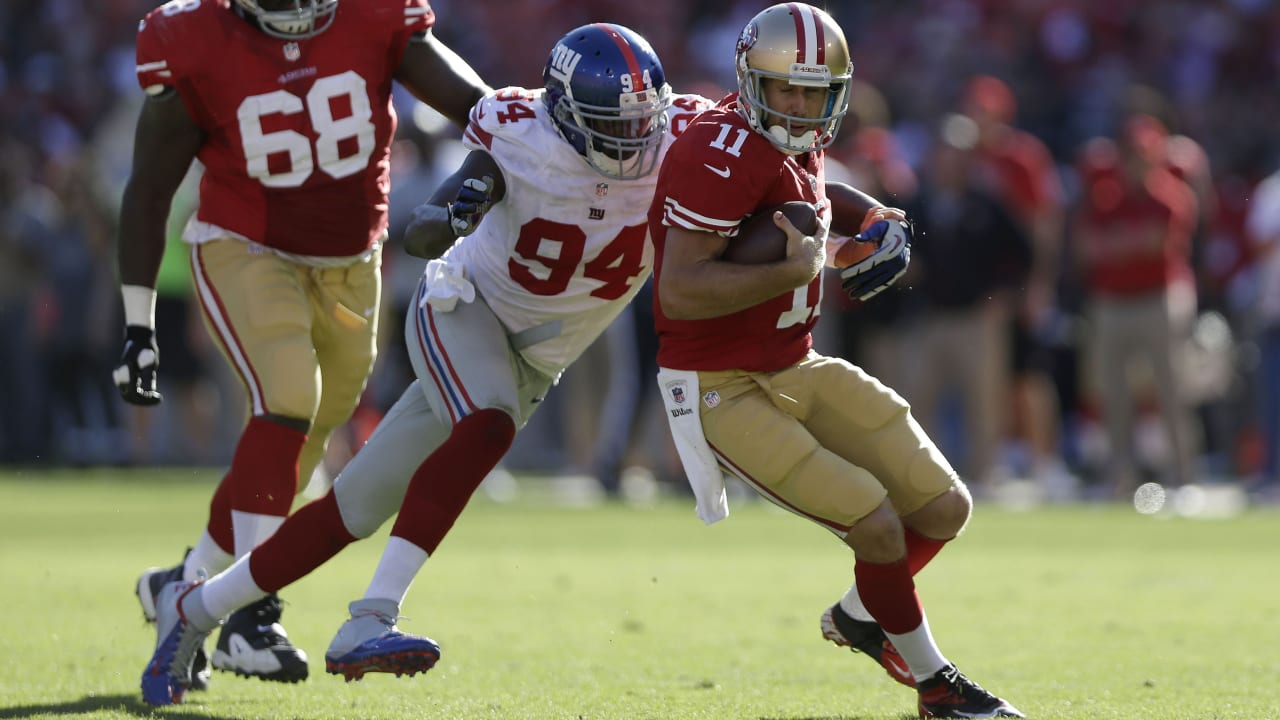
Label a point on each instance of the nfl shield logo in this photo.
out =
(292, 52)
(711, 399)
(677, 393)
(602, 189)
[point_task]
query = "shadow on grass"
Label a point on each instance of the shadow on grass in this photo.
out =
(91, 704)
(907, 716)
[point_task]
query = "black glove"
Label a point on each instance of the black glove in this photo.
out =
(136, 373)
(869, 277)
(468, 208)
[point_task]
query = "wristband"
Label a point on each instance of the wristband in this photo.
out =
(139, 305)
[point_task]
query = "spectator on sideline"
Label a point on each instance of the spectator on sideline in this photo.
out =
(1263, 226)
(1133, 238)
(1018, 170)
(973, 256)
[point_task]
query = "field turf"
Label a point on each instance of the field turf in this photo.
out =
(546, 611)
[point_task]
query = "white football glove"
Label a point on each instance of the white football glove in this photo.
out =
(869, 277)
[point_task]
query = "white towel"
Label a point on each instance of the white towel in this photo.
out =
(447, 283)
(680, 395)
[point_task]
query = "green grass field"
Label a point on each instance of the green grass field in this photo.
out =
(618, 613)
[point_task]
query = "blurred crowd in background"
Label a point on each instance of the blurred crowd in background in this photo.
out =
(1054, 329)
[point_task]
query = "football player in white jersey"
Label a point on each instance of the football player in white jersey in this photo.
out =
(539, 240)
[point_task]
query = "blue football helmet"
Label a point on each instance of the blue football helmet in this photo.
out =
(608, 96)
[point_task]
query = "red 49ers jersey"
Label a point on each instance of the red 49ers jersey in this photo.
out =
(715, 174)
(298, 131)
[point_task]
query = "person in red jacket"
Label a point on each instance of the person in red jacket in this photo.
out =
(1133, 240)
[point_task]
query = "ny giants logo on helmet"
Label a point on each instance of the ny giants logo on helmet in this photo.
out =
(563, 61)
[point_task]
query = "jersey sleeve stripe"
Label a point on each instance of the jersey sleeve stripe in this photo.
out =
(675, 214)
(477, 135)
(421, 17)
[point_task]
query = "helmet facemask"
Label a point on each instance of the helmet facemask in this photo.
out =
(291, 19)
(620, 142)
(780, 127)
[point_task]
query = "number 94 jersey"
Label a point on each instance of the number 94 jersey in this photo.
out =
(296, 153)
(567, 247)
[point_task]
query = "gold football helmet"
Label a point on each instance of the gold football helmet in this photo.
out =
(800, 44)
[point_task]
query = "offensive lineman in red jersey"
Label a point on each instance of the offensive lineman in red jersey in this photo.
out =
(287, 105)
(813, 434)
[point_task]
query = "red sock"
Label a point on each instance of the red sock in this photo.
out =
(444, 482)
(920, 549)
(220, 517)
(889, 594)
(264, 473)
(303, 543)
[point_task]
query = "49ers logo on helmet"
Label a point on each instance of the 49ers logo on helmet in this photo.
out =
(747, 39)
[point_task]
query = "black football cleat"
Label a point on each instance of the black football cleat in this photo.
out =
(867, 638)
(254, 644)
(949, 694)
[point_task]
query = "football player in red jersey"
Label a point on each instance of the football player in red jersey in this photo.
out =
(814, 434)
(536, 243)
(287, 105)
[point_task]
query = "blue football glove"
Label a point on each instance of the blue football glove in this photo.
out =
(135, 376)
(869, 277)
(472, 202)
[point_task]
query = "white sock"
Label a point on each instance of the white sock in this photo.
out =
(852, 605)
(207, 556)
(251, 529)
(400, 563)
(230, 589)
(919, 650)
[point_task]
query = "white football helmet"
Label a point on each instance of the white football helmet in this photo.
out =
(291, 19)
(800, 44)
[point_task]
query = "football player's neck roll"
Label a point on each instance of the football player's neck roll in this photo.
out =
(793, 76)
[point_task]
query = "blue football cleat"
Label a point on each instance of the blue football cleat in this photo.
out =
(370, 642)
(168, 675)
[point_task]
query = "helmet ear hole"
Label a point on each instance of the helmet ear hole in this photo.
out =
(607, 95)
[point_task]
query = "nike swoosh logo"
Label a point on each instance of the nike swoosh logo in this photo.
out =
(722, 172)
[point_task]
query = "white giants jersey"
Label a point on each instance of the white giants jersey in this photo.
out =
(566, 248)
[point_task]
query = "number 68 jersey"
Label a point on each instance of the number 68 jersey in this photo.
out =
(298, 132)
(567, 247)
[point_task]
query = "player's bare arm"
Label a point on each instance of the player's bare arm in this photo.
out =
(165, 144)
(852, 210)
(696, 284)
(456, 207)
(439, 77)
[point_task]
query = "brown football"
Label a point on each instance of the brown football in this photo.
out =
(760, 241)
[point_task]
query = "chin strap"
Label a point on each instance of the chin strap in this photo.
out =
(786, 142)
